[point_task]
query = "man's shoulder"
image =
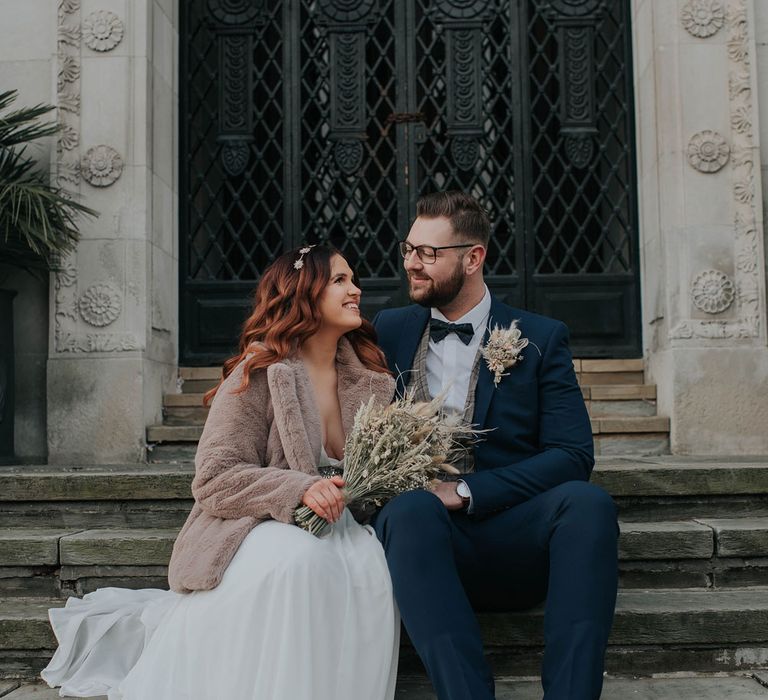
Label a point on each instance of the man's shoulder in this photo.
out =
(503, 314)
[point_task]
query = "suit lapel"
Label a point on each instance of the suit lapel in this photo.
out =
(411, 332)
(499, 316)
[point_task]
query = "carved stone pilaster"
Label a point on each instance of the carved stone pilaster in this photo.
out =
(713, 291)
(79, 314)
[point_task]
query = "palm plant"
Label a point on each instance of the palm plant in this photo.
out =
(37, 219)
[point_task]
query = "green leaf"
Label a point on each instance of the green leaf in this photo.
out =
(38, 220)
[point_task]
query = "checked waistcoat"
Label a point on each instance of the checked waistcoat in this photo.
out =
(418, 388)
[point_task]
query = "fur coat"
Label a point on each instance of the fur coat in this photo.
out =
(257, 456)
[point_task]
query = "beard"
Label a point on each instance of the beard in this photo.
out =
(439, 294)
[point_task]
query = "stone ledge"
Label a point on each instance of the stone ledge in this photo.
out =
(25, 547)
(739, 537)
(658, 617)
(117, 547)
(620, 476)
(665, 540)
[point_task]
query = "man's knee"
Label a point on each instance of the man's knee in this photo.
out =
(409, 514)
(587, 501)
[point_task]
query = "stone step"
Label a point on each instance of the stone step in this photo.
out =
(666, 475)
(152, 546)
(647, 489)
(200, 384)
(631, 400)
(674, 627)
(614, 425)
(608, 392)
(707, 553)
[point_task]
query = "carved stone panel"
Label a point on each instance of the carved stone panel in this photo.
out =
(713, 291)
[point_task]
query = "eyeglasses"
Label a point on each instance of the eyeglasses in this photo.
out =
(427, 253)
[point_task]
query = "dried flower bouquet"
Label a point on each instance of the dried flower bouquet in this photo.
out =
(390, 450)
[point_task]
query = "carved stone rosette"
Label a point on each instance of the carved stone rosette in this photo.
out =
(708, 152)
(703, 18)
(102, 30)
(712, 291)
(100, 305)
(101, 166)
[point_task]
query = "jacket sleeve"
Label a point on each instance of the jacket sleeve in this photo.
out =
(231, 480)
(565, 438)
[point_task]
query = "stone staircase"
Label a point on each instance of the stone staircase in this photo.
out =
(693, 551)
(693, 547)
(622, 407)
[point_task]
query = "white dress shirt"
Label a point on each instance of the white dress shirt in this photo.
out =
(449, 362)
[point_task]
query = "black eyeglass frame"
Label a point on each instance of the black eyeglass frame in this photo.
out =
(404, 245)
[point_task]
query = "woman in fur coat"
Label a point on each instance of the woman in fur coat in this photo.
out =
(260, 609)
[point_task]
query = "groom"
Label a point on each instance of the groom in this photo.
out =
(522, 524)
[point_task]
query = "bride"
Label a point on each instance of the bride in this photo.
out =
(260, 609)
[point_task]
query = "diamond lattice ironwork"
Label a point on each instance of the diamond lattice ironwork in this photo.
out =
(234, 223)
(355, 211)
(311, 122)
(582, 219)
(491, 175)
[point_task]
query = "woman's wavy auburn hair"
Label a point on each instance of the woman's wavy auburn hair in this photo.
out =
(285, 313)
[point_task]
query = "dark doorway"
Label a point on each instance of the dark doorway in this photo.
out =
(325, 120)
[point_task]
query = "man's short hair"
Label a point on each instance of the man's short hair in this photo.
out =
(467, 217)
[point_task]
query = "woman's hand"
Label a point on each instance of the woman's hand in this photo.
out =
(325, 498)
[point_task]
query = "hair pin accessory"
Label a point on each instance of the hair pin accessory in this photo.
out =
(299, 263)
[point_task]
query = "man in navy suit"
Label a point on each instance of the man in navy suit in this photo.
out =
(522, 524)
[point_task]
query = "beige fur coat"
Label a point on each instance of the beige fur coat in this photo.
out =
(257, 456)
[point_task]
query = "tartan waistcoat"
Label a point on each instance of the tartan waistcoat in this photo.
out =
(418, 388)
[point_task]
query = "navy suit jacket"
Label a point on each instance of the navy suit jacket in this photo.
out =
(541, 435)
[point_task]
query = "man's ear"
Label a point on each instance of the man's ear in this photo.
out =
(475, 259)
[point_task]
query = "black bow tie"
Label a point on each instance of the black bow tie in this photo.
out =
(439, 329)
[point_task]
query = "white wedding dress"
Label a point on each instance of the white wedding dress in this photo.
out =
(295, 617)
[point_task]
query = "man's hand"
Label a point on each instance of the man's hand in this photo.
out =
(446, 492)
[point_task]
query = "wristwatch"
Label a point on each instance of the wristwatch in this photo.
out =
(463, 492)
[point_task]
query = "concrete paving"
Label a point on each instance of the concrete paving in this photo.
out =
(741, 687)
(732, 687)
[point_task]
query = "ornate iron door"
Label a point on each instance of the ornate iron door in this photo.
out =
(325, 120)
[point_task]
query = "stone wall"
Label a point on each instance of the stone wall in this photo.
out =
(107, 327)
(702, 236)
(114, 308)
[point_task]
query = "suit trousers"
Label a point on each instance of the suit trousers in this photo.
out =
(559, 546)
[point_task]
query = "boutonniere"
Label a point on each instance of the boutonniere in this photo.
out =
(503, 349)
